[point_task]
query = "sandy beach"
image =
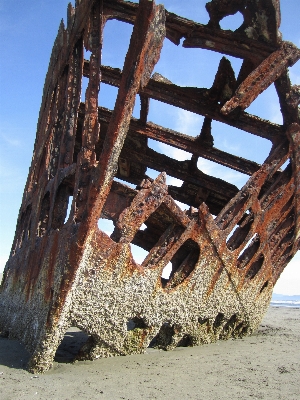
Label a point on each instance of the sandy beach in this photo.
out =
(263, 366)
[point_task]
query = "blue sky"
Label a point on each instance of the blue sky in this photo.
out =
(27, 33)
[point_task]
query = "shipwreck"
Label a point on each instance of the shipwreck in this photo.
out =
(226, 251)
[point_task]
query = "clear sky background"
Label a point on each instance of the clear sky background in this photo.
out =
(27, 33)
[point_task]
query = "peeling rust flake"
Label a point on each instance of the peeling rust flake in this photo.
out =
(224, 253)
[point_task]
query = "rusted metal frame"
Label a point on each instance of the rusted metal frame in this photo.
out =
(219, 236)
(121, 196)
(234, 45)
(54, 188)
(62, 173)
(283, 229)
(228, 218)
(230, 43)
(144, 204)
(180, 170)
(72, 103)
(145, 102)
(248, 254)
(274, 216)
(126, 12)
(284, 246)
(185, 28)
(247, 67)
(93, 43)
(273, 24)
(193, 195)
(47, 126)
(123, 11)
(271, 219)
(53, 130)
(218, 241)
(192, 145)
(224, 84)
(198, 101)
(278, 203)
(190, 99)
(50, 110)
(162, 247)
(264, 273)
(77, 20)
(144, 50)
(145, 239)
(228, 258)
(140, 205)
(55, 84)
(54, 134)
(23, 230)
(238, 236)
(289, 108)
(266, 247)
(168, 244)
(262, 77)
(276, 190)
(86, 159)
(57, 64)
(63, 47)
(219, 9)
(253, 12)
(183, 269)
(178, 214)
(205, 138)
(71, 13)
(196, 34)
(258, 215)
(186, 143)
(149, 237)
(54, 72)
(293, 133)
(275, 219)
(58, 125)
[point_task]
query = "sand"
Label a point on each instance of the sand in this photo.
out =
(263, 366)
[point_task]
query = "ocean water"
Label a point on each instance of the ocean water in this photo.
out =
(281, 300)
(295, 304)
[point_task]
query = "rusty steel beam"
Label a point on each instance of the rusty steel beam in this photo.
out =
(181, 170)
(187, 143)
(197, 101)
(262, 77)
(225, 251)
(294, 137)
(237, 44)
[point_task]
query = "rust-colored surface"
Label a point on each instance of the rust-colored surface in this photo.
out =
(226, 252)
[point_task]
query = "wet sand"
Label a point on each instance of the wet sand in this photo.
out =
(263, 366)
